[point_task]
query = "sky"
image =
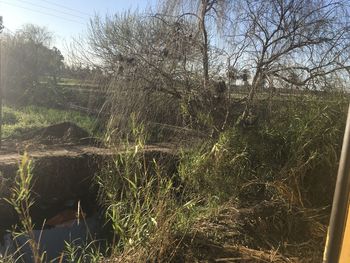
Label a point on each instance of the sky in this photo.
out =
(64, 18)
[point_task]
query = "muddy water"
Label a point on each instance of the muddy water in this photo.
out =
(53, 240)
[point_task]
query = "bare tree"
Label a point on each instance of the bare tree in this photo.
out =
(308, 38)
(147, 59)
(36, 34)
(156, 49)
(207, 13)
(184, 48)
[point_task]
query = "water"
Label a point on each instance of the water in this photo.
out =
(53, 240)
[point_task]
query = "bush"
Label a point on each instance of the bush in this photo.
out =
(9, 116)
(294, 151)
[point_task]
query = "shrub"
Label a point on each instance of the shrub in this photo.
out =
(9, 116)
(296, 146)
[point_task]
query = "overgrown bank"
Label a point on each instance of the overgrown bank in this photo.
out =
(258, 193)
(274, 183)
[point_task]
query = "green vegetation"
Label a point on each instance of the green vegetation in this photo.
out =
(140, 208)
(282, 169)
(71, 82)
(17, 121)
(298, 138)
(251, 131)
(22, 200)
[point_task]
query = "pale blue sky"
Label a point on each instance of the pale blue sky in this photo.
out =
(65, 18)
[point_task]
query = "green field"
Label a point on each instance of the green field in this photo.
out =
(19, 120)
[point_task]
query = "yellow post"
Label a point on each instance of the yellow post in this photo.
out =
(338, 240)
(345, 248)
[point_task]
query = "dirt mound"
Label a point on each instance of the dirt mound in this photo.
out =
(64, 132)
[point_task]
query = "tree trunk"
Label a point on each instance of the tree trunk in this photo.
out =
(205, 44)
(1, 92)
(250, 97)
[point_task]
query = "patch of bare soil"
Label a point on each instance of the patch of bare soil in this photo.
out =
(64, 132)
(46, 141)
(265, 232)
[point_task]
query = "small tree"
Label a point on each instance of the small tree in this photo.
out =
(55, 63)
(29, 58)
(203, 12)
(150, 62)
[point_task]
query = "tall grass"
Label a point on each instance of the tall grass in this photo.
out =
(137, 196)
(89, 252)
(286, 161)
(299, 144)
(21, 200)
(23, 235)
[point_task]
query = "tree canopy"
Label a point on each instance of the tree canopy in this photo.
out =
(28, 60)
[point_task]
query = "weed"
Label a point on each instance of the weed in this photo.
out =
(81, 253)
(21, 200)
(285, 164)
(138, 202)
(298, 143)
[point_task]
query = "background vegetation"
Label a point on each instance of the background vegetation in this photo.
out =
(18, 121)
